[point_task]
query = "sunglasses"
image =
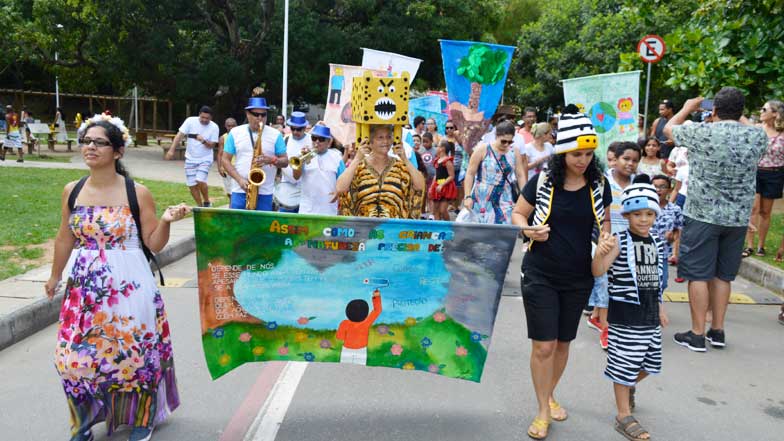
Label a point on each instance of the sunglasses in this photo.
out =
(661, 187)
(297, 129)
(505, 142)
(318, 139)
(258, 114)
(450, 128)
(97, 142)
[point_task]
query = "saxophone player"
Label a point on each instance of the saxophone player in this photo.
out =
(241, 142)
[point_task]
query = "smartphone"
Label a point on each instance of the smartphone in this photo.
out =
(192, 135)
(706, 105)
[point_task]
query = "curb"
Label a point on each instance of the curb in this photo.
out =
(764, 275)
(30, 319)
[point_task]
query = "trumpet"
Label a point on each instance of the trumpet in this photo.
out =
(256, 175)
(296, 162)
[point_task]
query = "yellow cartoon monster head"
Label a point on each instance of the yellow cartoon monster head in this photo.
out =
(380, 100)
(625, 104)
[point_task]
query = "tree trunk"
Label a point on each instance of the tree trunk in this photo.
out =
(476, 93)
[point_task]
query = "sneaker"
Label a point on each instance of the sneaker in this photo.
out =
(691, 340)
(604, 338)
(679, 280)
(86, 436)
(588, 310)
(716, 338)
(140, 434)
(207, 204)
(20, 160)
(595, 324)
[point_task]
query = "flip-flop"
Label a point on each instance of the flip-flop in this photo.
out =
(747, 252)
(555, 406)
(540, 425)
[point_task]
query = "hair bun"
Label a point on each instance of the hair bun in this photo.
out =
(642, 178)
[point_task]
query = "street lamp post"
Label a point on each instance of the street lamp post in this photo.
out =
(56, 78)
(285, 56)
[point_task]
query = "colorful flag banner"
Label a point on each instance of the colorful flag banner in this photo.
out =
(428, 107)
(475, 75)
(337, 114)
(403, 294)
(611, 101)
(444, 97)
(391, 63)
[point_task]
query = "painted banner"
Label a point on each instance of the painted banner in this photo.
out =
(428, 107)
(390, 62)
(611, 101)
(475, 75)
(337, 114)
(444, 97)
(402, 294)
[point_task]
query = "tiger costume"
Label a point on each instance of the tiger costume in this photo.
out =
(389, 195)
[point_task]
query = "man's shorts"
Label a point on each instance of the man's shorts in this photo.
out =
(13, 141)
(196, 171)
(633, 349)
(710, 251)
(263, 202)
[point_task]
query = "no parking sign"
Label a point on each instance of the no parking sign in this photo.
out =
(651, 48)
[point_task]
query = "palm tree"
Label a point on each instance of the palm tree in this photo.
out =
(481, 66)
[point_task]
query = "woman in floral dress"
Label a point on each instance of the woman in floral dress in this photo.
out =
(114, 352)
(492, 171)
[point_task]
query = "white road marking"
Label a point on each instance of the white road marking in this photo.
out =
(266, 424)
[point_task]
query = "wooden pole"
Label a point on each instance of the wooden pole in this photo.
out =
(91, 109)
(169, 126)
(155, 116)
(141, 115)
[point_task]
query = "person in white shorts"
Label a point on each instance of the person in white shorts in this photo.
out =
(202, 136)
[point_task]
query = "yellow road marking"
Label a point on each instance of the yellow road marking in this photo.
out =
(682, 297)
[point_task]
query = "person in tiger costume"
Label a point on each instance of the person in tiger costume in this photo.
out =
(378, 185)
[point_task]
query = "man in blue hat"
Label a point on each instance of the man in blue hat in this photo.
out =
(202, 137)
(319, 176)
(240, 143)
(288, 190)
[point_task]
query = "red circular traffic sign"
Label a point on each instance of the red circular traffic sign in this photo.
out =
(651, 48)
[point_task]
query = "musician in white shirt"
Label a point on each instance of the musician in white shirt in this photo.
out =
(318, 177)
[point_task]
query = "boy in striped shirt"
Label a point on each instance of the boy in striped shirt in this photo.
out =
(633, 260)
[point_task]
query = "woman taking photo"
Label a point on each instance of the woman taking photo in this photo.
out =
(490, 178)
(561, 212)
(114, 352)
(378, 185)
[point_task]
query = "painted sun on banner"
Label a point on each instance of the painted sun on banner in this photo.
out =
(403, 294)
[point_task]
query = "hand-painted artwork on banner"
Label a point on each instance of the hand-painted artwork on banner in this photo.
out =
(428, 107)
(611, 101)
(475, 75)
(444, 97)
(337, 115)
(402, 294)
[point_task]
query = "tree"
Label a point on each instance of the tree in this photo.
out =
(482, 65)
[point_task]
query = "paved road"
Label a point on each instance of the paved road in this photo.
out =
(733, 394)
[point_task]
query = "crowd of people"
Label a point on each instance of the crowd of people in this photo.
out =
(597, 241)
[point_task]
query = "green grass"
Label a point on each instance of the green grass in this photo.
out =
(31, 211)
(47, 158)
(772, 241)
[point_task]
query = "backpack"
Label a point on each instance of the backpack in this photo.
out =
(133, 202)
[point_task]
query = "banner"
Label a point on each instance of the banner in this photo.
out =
(337, 114)
(402, 294)
(611, 101)
(390, 62)
(444, 97)
(428, 107)
(475, 75)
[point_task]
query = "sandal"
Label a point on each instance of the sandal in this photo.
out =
(539, 425)
(631, 397)
(631, 429)
(747, 252)
(761, 252)
(554, 406)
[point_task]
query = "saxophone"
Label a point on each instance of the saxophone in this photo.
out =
(256, 175)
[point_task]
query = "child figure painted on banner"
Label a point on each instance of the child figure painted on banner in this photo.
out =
(633, 260)
(354, 331)
(627, 158)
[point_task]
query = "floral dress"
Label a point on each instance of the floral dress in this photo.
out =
(492, 193)
(114, 353)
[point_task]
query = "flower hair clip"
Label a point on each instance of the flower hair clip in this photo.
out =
(115, 121)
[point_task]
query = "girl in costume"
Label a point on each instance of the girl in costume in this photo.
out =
(114, 351)
(443, 188)
(562, 211)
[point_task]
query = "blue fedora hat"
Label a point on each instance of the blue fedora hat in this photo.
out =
(257, 102)
(297, 120)
(321, 130)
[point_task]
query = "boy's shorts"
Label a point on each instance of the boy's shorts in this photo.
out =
(633, 349)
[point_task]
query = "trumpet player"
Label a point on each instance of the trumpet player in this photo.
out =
(298, 140)
(318, 173)
(241, 142)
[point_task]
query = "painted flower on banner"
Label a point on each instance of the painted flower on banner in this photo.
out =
(477, 337)
(218, 333)
(299, 337)
(284, 350)
(408, 366)
(305, 320)
(308, 356)
(396, 349)
(410, 321)
(439, 317)
(224, 359)
(258, 351)
(325, 344)
(384, 330)
(272, 326)
(460, 351)
(245, 337)
(426, 342)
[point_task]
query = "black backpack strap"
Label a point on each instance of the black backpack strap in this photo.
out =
(133, 202)
(75, 193)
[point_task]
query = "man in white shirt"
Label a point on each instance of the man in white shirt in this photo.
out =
(295, 142)
(202, 135)
(319, 176)
(240, 143)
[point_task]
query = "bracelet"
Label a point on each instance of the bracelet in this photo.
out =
(468, 197)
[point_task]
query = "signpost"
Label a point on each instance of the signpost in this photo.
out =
(651, 49)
